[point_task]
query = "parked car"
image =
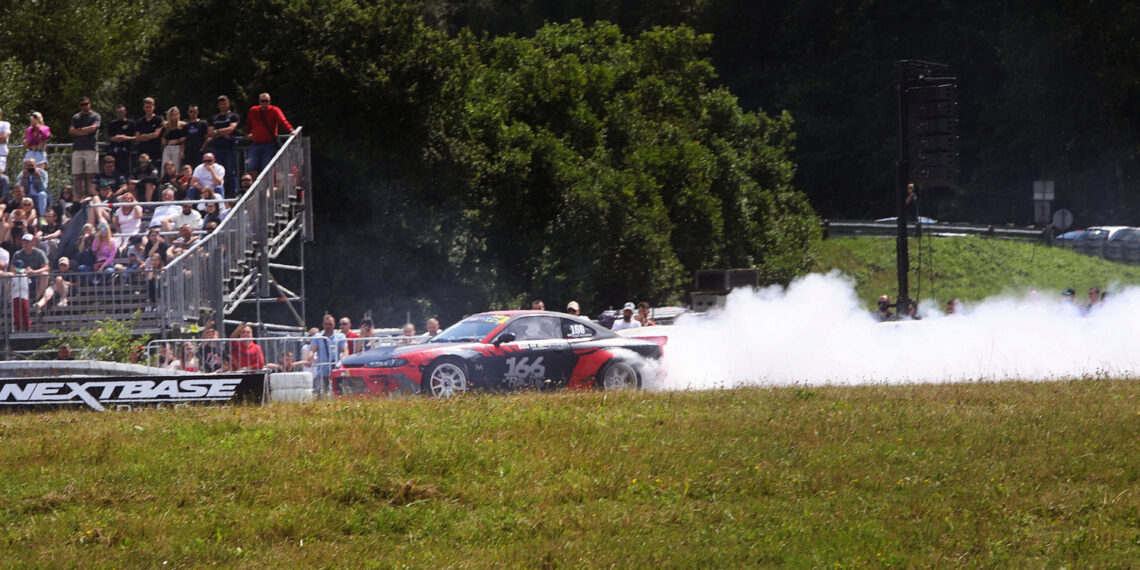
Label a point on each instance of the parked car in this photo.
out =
(498, 351)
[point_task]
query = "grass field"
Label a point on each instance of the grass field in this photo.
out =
(1037, 474)
(968, 268)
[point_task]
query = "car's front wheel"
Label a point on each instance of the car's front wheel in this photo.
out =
(445, 379)
(618, 375)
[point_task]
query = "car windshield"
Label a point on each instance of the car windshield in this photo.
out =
(471, 329)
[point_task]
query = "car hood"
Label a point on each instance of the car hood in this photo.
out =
(361, 359)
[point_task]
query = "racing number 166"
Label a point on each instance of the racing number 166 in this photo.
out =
(518, 367)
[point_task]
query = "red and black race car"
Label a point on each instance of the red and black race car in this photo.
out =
(508, 350)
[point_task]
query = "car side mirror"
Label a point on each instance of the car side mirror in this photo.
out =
(505, 337)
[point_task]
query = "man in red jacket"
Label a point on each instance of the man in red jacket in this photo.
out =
(263, 123)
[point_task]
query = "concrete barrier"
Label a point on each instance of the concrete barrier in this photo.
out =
(291, 387)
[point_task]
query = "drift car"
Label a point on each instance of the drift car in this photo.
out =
(497, 351)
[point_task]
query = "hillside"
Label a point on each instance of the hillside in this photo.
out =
(969, 268)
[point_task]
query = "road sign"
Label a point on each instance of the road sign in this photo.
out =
(1062, 220)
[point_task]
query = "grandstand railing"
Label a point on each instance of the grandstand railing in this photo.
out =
(209, 280)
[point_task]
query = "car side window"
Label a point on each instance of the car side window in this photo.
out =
(535, 328)
(575, 330)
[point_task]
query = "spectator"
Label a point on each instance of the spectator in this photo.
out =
(60, 286)
(246, 182)
(30, 217)
(572, 308)
(66, 206)
(326, 348)
(84, 158)
(1069, 296)
(884, 312)
(212, 214)
(182, 184)
(264, 122)
(121, 134)
(5, 133)
(64, 352)
(149, 128)
(34, 261)
(209, 174)
(185, 239)
(186, 216)
(538, 305)
(220, 138)
(626, 321)
(99, 205)
(109, 178)
(173, 136)
(409, 336)
(85, 258)
(106, 248)
(346, 330)
(432, 326)
(50, 232)
(952, 306)
(153, 269)
(21, 320)
(145, 179)
(165, 211)
(1094, 299)
(155, 245)
(34, 180)
(189, 361)
(367, 332)
(15, 198)
(13, 230)
(643, 315)
(195, 144)
(127, 220)
(36, 138)
(169, 177)
(210, 354)
(286, 364)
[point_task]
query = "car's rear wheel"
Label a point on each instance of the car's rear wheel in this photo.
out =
(445, 379)
(618, 375)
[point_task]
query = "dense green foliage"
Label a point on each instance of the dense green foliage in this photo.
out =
(990, 475)
(498, 136)
(969, 268)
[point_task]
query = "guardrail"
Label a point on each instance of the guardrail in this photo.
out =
(854, 228)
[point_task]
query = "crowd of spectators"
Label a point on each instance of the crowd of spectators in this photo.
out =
(109, 217)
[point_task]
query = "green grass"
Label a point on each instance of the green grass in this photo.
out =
(969, 268)
(1018, 474)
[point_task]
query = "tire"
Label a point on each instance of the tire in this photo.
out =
(446, 378)
(618, 375)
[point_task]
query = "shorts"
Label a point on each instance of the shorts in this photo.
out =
(38, 155)
(84, 162)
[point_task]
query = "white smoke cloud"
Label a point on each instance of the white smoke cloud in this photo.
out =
(817, 332)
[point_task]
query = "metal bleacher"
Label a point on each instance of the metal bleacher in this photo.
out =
(227, 271)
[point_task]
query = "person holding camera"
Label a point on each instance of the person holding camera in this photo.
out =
(34, 180)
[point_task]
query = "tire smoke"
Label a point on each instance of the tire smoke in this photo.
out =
(816, 331)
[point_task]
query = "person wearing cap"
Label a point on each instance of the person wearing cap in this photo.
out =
(1069, 295)
(573, 309)
(33, 259)
(121, 134)
(21, 320)
(626, 321)
(84, 157)
(59, 287)
(144, 179)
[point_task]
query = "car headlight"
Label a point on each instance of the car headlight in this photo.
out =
(387, 363)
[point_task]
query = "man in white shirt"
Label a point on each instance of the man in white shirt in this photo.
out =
(626, 321)
(165, 211)
(209, 174)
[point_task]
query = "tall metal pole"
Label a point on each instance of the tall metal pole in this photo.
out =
(901, 175)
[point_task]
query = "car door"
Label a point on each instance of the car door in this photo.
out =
(537, 358)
